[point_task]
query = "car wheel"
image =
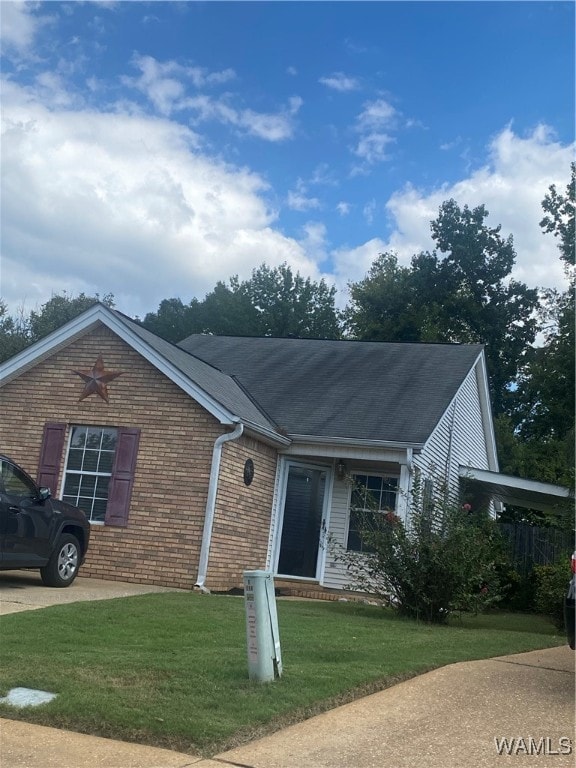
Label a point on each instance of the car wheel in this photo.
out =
(61, 569)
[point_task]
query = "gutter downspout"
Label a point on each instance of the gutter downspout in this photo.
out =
(211, 503)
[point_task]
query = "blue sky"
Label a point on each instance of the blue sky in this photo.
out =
(152, 149)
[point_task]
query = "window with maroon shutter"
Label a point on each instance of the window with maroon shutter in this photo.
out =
(122, 480)
(51, 455)
(99, 474)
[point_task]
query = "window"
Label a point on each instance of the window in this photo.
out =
(89, 468)
(16, 483)
(372, 495)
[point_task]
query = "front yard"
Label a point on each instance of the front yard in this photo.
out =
(171, 669)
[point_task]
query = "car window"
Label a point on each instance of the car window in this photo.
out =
(16, 483)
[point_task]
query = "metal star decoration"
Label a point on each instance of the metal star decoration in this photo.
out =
(95, 380)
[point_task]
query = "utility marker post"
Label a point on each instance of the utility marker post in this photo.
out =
(263, 638)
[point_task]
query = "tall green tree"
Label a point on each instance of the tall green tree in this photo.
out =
(461, 292)
(288, 304)
(544, 417)
(60, 309)
(272, 302)
(17, 333)
(14, 333)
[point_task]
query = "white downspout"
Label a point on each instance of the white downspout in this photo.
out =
(211, 503)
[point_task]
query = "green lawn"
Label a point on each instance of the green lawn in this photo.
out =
(171, 669)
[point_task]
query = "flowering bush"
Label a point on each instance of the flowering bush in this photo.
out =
(444, 559)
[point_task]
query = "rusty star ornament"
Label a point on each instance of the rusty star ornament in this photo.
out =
(95, 380)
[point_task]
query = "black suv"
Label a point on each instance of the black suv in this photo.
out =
(37, 531)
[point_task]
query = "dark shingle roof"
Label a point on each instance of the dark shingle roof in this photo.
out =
(343, 389)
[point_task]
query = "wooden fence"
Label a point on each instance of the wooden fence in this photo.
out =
(531, 545)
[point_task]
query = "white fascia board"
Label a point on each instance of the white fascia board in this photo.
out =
(486, 407)
(84, 323)
(514, 483)
(350, 448)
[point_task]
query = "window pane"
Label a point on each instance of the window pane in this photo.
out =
(75, 459)
(93, 437)
(99, 510)
(109, 439)
(72, 485)
(78, 438)
(88, 485)
(90, 461)
(106, 461)
(102, 487)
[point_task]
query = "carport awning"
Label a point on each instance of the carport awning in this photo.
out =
(516, 491)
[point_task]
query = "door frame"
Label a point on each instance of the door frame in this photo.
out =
(286, 464)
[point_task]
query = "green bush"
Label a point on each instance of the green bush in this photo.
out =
(517, 589)
(551, 588)
(444, 560)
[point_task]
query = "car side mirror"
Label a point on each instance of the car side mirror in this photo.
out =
(43, 494)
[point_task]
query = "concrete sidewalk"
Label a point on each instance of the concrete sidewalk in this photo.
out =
(448, 718)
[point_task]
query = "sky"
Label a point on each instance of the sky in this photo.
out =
(152, 149)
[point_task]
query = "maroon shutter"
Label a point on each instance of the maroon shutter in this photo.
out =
(122, 480)
(51, 455)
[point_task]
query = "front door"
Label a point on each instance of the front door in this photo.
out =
(302, 521)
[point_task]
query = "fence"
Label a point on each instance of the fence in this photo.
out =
(530, 545)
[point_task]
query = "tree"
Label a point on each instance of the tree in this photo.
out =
(60, 309)
(14, 333)
(560, 219)
(272, 302)
(544, 416)
(17, 333)
(459, 293)
(174, 320)
(290, 305)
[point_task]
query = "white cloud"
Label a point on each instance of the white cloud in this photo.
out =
(373, 124)
(512, 185)
(340, 82)
(343, 208)
(375, 115)
(110, 202)
(298, 199)
(19, 26)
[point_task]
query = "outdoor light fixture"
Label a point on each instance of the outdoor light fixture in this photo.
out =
(341, 470)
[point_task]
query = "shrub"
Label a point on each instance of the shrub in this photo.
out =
(551, 587)
(444, 560)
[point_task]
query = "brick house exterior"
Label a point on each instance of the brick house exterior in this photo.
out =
(161, 543)
(233, 454)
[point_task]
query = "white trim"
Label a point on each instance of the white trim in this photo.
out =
(352, 442)
(514, 483)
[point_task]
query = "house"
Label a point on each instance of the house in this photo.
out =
(198, 461)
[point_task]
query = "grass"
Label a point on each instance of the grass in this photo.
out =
(171, 669)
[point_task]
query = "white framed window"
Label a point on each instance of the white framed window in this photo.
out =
(88, 470)
(371, 497)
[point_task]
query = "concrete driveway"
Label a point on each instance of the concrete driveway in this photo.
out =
(24, 591)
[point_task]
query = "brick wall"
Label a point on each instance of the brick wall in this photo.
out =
(161, 544)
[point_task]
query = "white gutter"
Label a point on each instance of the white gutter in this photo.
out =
(211, 502)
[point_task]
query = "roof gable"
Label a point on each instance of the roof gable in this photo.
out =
(215, 391)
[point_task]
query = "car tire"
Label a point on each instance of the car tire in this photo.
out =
(61, 569)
